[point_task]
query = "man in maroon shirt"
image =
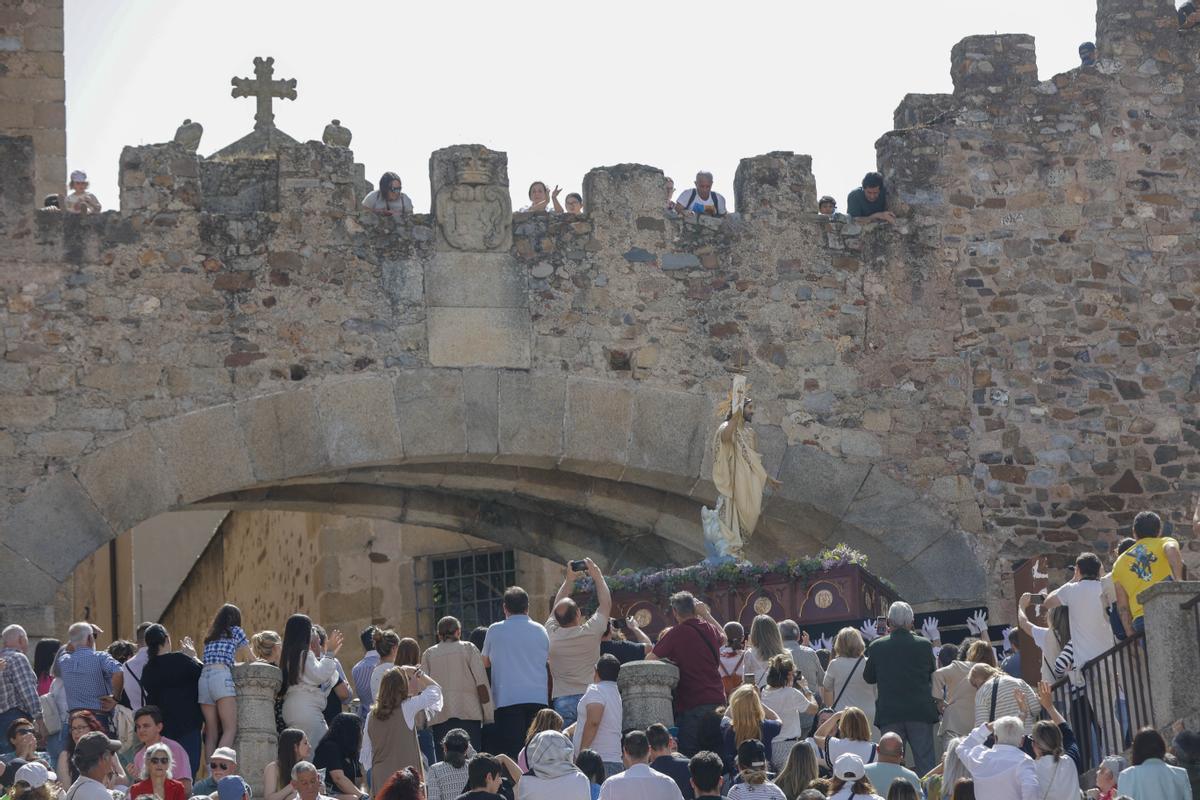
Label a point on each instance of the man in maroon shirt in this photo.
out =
(693, 645)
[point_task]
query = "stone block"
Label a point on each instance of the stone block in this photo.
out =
(813, 477)
(472, 280)
(55, 511)
(124, 381)
(25, 587)
(481, 392)
(206, 452)
(1172, 649)
(778, 181)
(358, 417)
(597, 426)
(256, 685)
(989, 64)
(646, 693)
(283, 436)
(24, 412)
(479, 337)
(431, 412)
(532, 407)
(129, 480)
(620, 194)
(669, 432)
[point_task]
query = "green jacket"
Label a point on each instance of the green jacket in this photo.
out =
(902, 665)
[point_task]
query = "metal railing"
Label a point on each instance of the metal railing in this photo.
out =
(1113, 702)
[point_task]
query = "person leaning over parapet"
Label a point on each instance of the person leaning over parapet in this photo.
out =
(540, 199)
(868, 203)
(827, 208)
(701, 200)
(80, 200)
(388, 200)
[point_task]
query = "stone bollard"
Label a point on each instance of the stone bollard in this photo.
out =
(1172, 650)
(646, 688)
(257, 684)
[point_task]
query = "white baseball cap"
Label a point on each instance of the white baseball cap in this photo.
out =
(78, 175)
(35, 774)
(849, 767)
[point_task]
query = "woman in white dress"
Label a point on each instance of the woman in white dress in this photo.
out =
(305, 668)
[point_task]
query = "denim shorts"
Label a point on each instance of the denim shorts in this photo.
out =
(216, 682)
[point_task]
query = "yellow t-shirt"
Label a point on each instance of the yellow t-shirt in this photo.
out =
(1140, 567)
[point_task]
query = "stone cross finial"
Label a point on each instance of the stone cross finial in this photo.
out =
(263, 87)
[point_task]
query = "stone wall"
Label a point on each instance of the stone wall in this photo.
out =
(344, 572)
(1009, 371)
(32, 88)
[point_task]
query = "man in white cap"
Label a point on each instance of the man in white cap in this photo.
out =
(95, 756)
(223, 763)
(80, 200)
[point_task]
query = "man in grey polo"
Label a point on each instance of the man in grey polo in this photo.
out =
(517, 651)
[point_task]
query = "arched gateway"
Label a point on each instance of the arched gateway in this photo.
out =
(553, 465)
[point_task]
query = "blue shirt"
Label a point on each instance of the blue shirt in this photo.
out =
(360, 673)
(518, 649)
(86, 675)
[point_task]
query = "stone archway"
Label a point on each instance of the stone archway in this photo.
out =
(541, 459)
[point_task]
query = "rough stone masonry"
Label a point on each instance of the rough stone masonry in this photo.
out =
(1010, 371)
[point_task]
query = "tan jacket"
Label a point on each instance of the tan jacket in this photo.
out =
(458, 668)
(959, 717)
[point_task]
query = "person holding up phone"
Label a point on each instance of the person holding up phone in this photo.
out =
(574, 640)
(634, 645)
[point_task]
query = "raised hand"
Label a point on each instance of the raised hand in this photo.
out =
(929, 629)
(977, 624)
(335, 641)
(868, 630)
(804, 640)
(1045, 696)
(188, 646)
(1022, 703)
(557, 191)
(824, 643)
(1007, 645)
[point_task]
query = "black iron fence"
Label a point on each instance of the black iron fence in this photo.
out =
(1109, 699)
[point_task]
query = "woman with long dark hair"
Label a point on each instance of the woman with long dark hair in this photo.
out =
(388, 200)
(43, 659)
(304, 673)
(337, 754)
(170, 680)
(447, 779)
(291, 747)
(224, 641)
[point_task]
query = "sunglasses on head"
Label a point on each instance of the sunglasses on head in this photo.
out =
(24, 731)
(160, 760)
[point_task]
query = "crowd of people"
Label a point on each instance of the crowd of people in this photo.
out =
(867, 203)
(533, 710)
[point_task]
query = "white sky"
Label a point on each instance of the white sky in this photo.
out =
(562, 87)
